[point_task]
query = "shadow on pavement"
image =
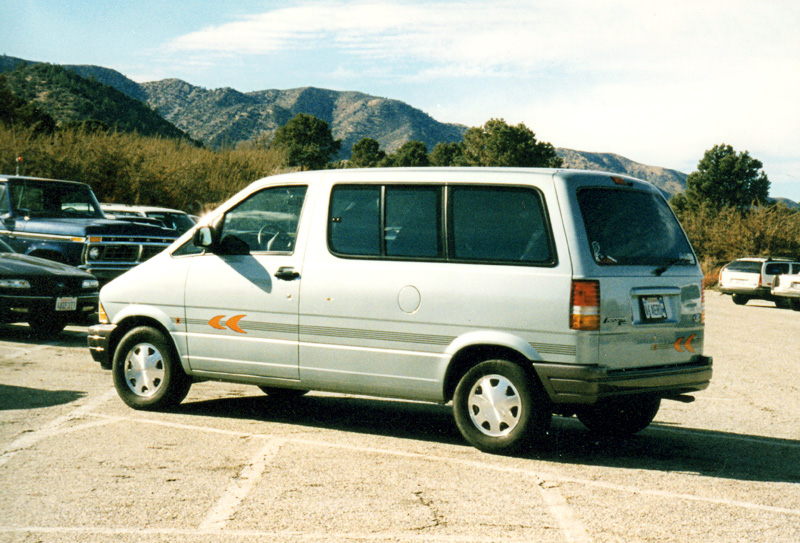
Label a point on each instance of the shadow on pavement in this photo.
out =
(660, 447)
(14, 397)
(72, 336)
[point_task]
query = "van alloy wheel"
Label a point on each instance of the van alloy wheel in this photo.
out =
(494, 405)
(144, 369)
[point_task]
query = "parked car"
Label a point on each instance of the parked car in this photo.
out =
(171, 218)
(47, 295)
(62, 221)
(751, 278)
(787, 287)
(513, 293)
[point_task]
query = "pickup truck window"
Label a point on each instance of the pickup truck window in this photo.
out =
(54, 200)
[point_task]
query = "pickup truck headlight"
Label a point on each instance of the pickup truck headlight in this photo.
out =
(94, 253)
(90, 283)
(14, 283)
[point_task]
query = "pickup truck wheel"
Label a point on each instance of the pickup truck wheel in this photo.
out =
(620, 417)
(277, 393)
(47, 325)
(498, 408)
(740, 299)
(147, 374)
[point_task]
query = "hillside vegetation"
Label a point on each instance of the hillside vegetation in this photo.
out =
(223, 118)
(70, 98)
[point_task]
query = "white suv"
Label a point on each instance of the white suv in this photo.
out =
(787, 287)
(752, 278)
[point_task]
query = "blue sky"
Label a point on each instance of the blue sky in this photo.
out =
(657, 82)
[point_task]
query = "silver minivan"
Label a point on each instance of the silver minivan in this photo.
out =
(515, 294)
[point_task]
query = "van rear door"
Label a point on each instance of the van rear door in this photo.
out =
(651, 307)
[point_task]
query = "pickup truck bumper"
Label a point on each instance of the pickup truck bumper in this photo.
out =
(569, 384)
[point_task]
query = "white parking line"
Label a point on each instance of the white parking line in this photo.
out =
(240, 487)
(54, 426)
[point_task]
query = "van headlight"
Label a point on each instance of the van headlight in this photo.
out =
(14, 283)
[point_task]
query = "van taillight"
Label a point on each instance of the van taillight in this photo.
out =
(702, 305)
(585, 302)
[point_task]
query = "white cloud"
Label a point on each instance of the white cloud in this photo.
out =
(620, 75)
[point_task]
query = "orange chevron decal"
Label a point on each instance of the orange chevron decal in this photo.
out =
(233, 323)
(214, 323)
(686, 345)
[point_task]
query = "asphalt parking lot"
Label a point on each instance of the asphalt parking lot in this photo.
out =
(230, 465)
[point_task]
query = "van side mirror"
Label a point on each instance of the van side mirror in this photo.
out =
(203, 237)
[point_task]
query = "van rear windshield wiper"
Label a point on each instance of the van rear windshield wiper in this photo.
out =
(686, 259)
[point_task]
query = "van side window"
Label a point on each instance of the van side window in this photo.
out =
(413, 222)
(267, 220)
(355, 221)
(498, 224)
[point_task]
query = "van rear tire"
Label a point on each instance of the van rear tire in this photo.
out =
(740, 299)
(498, 408)
(620, 417)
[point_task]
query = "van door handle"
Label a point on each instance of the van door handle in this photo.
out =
(286, 273)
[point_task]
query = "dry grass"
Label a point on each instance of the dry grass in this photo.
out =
(128, 168)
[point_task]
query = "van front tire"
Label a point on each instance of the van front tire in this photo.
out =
(147, 374)
(498, 409)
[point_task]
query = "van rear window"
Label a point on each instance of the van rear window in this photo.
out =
(630, 227)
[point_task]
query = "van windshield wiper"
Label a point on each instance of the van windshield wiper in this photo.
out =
(661, 269)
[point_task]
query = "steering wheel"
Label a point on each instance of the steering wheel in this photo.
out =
(267, 234)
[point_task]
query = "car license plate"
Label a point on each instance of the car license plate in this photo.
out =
(654, 308)
(66, 304)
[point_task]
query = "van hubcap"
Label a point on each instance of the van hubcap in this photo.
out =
(494, 405)
(144, 369)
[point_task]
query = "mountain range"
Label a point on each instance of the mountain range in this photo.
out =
(225, 117)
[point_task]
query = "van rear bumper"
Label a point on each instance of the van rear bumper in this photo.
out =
(571, 384)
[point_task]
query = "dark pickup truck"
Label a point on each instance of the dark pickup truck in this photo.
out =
(62, 221)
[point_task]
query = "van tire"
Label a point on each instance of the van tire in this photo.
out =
(795, 304)
(740, 299)
(498, 408)
(620, 417)
(146, 371)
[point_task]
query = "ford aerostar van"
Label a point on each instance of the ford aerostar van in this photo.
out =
(514, 293)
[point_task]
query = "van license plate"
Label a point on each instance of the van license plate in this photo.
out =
(654, 308)
(66, 304)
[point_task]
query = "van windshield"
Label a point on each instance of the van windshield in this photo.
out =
(630, 227)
